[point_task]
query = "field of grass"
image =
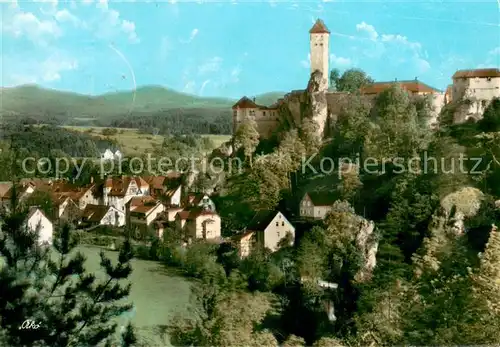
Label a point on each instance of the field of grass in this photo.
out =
(156, 293)
(133, 143)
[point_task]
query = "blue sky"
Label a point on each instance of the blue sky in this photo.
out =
(234, 48)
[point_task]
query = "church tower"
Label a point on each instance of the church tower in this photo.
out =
(320, 37)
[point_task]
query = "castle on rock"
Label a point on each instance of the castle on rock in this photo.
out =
(325, 105)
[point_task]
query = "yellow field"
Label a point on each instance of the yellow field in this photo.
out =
(133, 143)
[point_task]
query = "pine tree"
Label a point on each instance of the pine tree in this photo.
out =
(52, 288)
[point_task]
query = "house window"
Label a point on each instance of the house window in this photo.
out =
(483, 103)
(488, 79)
(277, 224)
(282, 224)
(279, 235)
(264, 113)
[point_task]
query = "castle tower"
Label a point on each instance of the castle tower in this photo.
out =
(320, 37)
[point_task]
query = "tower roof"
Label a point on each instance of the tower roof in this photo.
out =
(319, 28)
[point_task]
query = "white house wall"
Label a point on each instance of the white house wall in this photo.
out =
(46, 229)
(277, 230)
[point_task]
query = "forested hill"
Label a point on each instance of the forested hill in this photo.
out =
(51, 106)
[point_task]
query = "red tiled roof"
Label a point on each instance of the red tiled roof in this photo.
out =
(182, 214)
(245, 102)
(411, 86)
(94, 213)
(319, 28)
(119, 185)
(477, 73)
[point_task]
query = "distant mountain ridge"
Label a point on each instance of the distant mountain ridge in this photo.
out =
(34, 101)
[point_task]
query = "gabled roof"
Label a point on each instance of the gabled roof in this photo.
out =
(4, 188)
(168, 180)
(322, 198)
(195, 199)
(119, 185)
(182, 214)
(261, 220)
(33, 210)
(94, 213)
(319, 28)
(245, 102)
(145, 209)
(414, 86)
(196, 212)
(482, 73)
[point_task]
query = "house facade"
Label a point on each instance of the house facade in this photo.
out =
(102, 215)
(37, 221)
(119, 190)
(478, 86)
(268, 229)
(202, 223)
(144, 215)
(316, 205)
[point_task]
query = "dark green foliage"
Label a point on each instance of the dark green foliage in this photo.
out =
(52, 287)
(491, 117)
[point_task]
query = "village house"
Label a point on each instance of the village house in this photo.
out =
(267, 229)
(37, 221)
(102, 215)
(167, 188)
(478, 86)
(245, 242)
(119, 190)
(22, 192)
(199, 223)
(199, 200)
(64, 208)
(142, 211)
(316, 204)
(171, 212)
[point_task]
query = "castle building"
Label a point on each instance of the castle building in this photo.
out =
(478, 86)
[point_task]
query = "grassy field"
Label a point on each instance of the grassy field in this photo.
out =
(134, 143)
(156, 294)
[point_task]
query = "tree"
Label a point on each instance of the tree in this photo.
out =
(396, 132)
(54, 290)
(334, 79)
(247, 137)
(491, 117)
(352, 80)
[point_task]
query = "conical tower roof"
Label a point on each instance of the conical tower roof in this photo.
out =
(319, 28)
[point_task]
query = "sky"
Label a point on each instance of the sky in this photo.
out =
(233, 48)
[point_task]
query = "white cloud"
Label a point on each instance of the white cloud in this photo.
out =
(193, 34)
(368, 29)
(212, 65)
(110, 25)
(26, 24)
(395, 48)
(64, 15)
(128, 28)
(495, 51)
(339, 61)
